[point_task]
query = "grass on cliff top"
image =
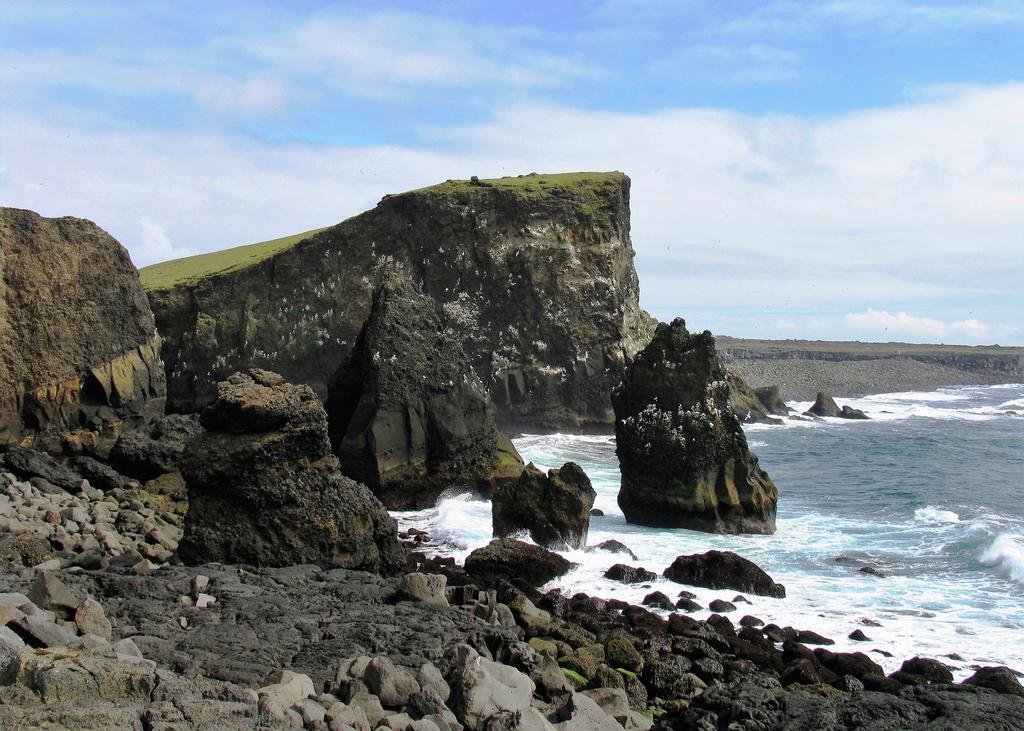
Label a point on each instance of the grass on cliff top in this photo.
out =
(167, 274)
(533, 183)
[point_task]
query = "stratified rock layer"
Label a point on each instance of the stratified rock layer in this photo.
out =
(682, 452)
(79, 354)
(409, 417)
(535, 273)
(554, 507)
(264, 488)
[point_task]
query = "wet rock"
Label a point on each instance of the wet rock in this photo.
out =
(751, 621)
(688, 605)
(554, 508)
(265, 490)
(723, 570)
(848, 412)
(824, 405)
(772, 401)
(859, 636)
(721, 606)
(682, 452)
(999, 679)
(409, 416)
(613, 546)
(658, 599)
(629, 574)
(506, 558)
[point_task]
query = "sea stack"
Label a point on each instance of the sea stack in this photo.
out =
(79, 353)
(682, 452)
(409, 416)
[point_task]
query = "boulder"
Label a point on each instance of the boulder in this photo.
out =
(264, 488)
(409, 417)
(629, 574)
(682, 452)
(848, 412)
(554, 508)
(772, 401)
(745, 404)
(507, 558)
(1000, 679)
(482, 688)
(723, 570)
(28, 463)
(79, 353)
(824, 405)
(613, 546)
(426, 588)
(148, 453)
(534, 272)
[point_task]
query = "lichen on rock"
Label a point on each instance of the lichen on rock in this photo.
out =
(682, 451)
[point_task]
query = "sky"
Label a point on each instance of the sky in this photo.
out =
(840, 169)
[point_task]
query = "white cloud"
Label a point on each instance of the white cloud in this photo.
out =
(153, 244)
(739, 64)
(902, 205)
(881, 323)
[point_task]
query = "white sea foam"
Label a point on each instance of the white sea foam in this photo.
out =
(1017, 403)
(932, 514)
(1007, 552)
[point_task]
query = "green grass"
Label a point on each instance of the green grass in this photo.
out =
(192, 268)
(531, 183)
(575, 678)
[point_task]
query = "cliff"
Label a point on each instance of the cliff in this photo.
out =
(79, 355)
(535, 272)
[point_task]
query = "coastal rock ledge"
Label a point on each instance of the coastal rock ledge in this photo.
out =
(682, 452)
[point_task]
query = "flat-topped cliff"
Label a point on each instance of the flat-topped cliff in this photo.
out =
(803, 367)
(534, 272)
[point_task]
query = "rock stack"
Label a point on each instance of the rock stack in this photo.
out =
(682, 451)
(264, 488)
(554, 507)
(409, 417)
(79, 354)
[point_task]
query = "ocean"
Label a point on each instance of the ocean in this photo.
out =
(930, 491)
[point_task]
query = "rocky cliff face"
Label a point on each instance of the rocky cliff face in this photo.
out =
(536, 272)
(409, 416)
(79, 354)
(682, 451)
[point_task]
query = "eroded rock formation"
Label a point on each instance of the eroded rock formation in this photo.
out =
(409, 417)
(536, 273)
(264, 488)
(79, 354)
(682, 452)
(554, 507)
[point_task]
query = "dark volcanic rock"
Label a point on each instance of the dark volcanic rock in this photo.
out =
(535, 273)
(824, 405)
(28, 463)
(681, 449)
(554, 508)
(408, 415)
(79, 354)
(613, 546)
(147, 453)
(999, 679)
(771, 399)
(264, 488)
(629, 574)
(744, 402)
(723, 570)
(506, 558)
(849, 412)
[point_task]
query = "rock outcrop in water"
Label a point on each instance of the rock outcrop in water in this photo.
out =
(723, 570)
(408, 415)
(682, 452)
(536, 274)
(745, 403)
(79, 354)
(825, 405)
(554, 507)
(264, 488)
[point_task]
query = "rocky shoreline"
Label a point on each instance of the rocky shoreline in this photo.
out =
(237, 567)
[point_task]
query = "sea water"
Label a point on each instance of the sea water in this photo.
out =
(929, 491)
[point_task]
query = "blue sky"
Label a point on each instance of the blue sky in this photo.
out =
(835, 169)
